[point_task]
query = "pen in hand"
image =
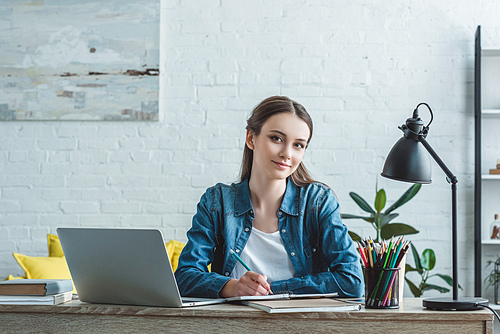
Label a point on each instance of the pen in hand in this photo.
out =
(244, 264)
(239, 260)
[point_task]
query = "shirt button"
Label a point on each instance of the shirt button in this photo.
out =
(227, 274)
(251, 212)
(283, 231)
(292, 253)
(247, 229)
(279, 214)
(314, 250)
(237, 251)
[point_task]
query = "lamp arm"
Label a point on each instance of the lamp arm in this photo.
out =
(450, 176)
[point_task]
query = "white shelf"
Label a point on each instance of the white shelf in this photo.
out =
(489, 72)
(490, 52)
(492, 112)
(490, 176)
(490, 242)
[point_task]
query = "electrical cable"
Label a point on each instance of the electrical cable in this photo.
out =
(489, 308)
(430, 110)
(415, 117)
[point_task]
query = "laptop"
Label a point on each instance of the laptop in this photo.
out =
(123, 266)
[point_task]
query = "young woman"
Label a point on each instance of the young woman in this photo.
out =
(285, 226)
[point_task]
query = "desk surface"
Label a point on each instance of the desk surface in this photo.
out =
(411, 316)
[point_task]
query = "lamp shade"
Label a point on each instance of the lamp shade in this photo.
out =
(408, 161)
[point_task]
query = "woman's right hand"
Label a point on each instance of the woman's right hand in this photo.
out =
(250, 284)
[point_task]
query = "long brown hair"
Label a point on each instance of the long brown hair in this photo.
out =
(269, 107)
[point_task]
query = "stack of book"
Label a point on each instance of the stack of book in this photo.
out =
(496, 170)
(36, 291)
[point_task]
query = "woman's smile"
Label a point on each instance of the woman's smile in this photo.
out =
(281, 165)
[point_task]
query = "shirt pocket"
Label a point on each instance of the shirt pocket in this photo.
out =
(219, 255)
(313, 255)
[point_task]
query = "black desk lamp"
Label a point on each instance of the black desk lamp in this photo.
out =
(408, 161)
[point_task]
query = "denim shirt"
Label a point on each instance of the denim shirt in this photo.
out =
(318, 245)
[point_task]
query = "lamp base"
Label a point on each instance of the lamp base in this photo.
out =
(450, 304)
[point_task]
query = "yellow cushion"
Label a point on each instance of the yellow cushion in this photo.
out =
(54, 244)
(44, 267)
(174, 249)
(10, 277)
(55, 265)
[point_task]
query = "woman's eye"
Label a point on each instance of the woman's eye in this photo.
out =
(299, 145)
(276, 138)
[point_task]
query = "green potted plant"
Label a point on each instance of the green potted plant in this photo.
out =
(493, 279)
(385, 229)
(423, 265)
(381, 221)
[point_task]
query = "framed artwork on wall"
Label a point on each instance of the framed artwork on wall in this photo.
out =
(79, 60)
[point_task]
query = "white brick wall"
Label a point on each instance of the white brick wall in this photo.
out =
(359, 67)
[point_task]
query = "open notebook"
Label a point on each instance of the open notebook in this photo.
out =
(282, 295)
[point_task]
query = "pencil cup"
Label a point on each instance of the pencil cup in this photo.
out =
(381, 287)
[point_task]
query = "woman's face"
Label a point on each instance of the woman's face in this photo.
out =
(280, 146)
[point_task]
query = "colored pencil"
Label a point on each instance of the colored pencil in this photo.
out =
(362, 253)
(384, 257)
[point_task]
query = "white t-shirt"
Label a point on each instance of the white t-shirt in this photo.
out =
(265, 254)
